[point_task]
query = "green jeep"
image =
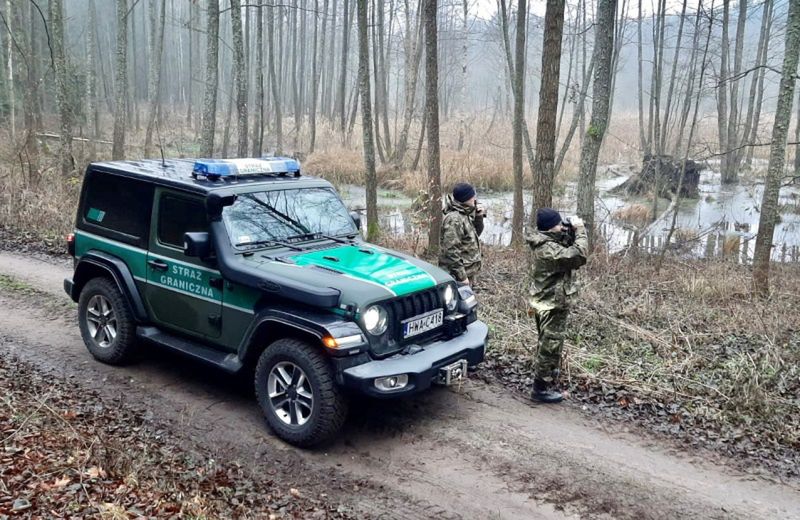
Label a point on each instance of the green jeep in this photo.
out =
(246, 263)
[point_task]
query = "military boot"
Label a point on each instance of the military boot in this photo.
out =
(544, 393)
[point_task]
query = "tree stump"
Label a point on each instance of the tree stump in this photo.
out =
(663, 172)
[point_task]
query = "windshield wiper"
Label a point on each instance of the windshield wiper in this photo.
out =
(267, 242)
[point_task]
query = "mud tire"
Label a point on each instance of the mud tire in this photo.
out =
(329, 404)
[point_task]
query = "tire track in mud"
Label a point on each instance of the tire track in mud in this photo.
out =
(476, 453)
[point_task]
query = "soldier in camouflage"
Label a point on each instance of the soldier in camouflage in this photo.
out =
(460, 248)
(556, 253)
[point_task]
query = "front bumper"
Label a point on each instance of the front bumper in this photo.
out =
(422, 366)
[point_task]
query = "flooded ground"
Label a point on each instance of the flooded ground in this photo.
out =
(723, 220)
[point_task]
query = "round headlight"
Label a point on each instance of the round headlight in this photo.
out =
(449, 298)
(375, 320)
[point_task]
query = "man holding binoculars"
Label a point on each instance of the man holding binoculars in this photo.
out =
(558, 248)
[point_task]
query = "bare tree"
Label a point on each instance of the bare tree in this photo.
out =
(121, 81)
(316, 72)
(643, 141)
(366, 121)
(413, 57)
(212, 74)
(273, 80)
(603, 49)
(519, 117)
(156, 43)
(240, 65)
(777, 154)
(62, 96)
(722, 94)
(258, 124)
(544, 163)
(432, 110)
(92, 110)
(797, 144)
(757, 85)
(733, 155)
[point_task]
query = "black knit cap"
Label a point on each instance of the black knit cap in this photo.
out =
(463, 191)
(547, 218)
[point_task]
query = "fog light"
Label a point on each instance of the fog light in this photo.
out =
(391, 383)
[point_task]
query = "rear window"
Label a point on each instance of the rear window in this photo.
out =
(176, 216)
(118, 205)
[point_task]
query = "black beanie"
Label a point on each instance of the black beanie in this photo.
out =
(547, 218)
(463, 191)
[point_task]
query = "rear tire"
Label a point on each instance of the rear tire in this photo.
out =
(297, 392)
(106, 322)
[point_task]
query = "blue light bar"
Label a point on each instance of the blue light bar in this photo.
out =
(246, 167)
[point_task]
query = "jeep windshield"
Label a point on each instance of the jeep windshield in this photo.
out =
(277, 217)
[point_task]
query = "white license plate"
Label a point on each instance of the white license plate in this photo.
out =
(424, 323)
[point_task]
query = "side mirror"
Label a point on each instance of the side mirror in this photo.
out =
(216, 201)
(197, 244)
(356, 216)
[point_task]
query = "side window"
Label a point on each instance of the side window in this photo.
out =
(178, 215)
(119, 205)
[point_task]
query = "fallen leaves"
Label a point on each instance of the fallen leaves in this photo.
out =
(69, 454)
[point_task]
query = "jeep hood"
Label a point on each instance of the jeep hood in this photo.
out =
(364, 273)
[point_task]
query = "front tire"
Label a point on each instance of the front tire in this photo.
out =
(106, 322)
(298, 395)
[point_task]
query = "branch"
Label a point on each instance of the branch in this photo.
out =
(726, 152)
(13, 39)
(47, 32)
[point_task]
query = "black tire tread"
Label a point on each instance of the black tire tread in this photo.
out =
(125, 349)
(332, 410)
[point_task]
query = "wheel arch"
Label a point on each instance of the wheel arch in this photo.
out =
(270, 329)
(96, 264)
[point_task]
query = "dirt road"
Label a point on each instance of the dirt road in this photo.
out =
(473, 452)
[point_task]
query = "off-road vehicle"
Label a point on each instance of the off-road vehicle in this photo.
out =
(247, 263)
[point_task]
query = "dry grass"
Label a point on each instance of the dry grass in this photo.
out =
(690, 337)
(634, 214)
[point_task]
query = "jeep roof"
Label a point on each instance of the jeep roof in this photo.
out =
(178, 173)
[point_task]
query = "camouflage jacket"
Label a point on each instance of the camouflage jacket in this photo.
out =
(552, 284)
(460, 247)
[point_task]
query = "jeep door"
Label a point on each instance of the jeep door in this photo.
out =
(182, 293)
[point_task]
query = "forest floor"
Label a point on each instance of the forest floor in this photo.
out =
(682, 403)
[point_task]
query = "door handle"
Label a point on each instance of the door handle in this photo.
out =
(158, 264)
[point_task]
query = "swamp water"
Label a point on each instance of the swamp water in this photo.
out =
(723, 220)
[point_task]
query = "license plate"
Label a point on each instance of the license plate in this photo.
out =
(424, 323)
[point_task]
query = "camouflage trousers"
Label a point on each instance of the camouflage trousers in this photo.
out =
(551, 326)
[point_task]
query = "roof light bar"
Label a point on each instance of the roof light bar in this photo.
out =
(215, 168)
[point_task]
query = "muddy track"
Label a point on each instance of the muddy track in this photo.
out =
(473, 452)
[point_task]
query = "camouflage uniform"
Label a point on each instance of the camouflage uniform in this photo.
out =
(460, 248)
(552, 289)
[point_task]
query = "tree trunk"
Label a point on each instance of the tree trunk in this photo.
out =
(121, 82)
(212, 80)
(432, 109)
(543, 173)
(341, 98)
(413, 57)
(753, 134)
(366, 122)
(777, 154)
(604, 47)
(643, 140)
(273, 80)
(517, 219)
(734, 156)
(316, 72)
(240, 73)
(258, 124)
(797, 144)
(92, 110)
(722, 95)
(156, 59)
